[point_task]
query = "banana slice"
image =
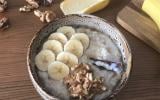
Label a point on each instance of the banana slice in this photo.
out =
(59, 37)
(43, 59)
(53, 45)
(58, 70)
(68, 58)
(75, 47)
(67, 30)
(83, 38)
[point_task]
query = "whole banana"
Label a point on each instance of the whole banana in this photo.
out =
(152, 8)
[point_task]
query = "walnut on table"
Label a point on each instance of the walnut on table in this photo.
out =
(26, 8)
(46, 16)
(3, 5)
(32, 4)
(4, 23)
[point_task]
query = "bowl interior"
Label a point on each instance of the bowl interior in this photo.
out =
(79, 20)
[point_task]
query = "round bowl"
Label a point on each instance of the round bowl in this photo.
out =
(78, 20)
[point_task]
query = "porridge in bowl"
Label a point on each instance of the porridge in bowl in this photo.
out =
(79, 63)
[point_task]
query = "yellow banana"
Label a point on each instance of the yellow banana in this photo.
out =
(152, 8)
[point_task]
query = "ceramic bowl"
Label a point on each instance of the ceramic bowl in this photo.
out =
(78, 20)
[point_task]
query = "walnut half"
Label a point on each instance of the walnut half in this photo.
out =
(46, 16)
(34, 3)
(26, 8)
(4, 23)
(3, 5)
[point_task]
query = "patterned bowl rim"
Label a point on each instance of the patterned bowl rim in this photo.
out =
(47, 96)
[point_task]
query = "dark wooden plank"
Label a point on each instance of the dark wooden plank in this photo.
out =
(14, 79)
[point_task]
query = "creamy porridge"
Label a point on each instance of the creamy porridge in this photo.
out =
(104, 59)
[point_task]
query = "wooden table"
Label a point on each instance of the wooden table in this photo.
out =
(144, 82)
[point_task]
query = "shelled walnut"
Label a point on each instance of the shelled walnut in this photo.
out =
(46, 16)
(3, 5)
(26, 8)
(34, 3)
(3, 22)
(81, 83)
(46, 2)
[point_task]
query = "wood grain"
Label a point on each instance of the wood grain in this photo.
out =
(142, 27)
(14, 79)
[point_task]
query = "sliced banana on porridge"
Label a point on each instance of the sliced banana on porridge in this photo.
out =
(53, 45)
(59, 37)
(43, 59)
(83, 38)
(75, 47)
(68, 58)
(67, 30)
(58, 70)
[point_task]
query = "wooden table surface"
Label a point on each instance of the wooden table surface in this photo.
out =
(144, 82)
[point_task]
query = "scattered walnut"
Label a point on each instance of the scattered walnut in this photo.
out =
(46, 16)
(81, 83)
(3, 5)
(42, 18)
(3, 22)
(34, 3)
(50, 16)
(26, 8)
(37, 13)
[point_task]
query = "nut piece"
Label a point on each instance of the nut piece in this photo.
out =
(50, 16)
(42, 18)
(81, 84)
(26, 8)
(34, 3)
(37, 13)
(46, 16)
(3, 22)
(3, 5)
